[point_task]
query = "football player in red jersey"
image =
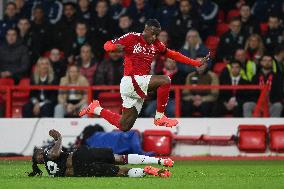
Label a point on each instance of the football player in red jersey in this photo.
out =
(139, 52)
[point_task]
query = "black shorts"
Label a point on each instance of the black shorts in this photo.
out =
(88, 162)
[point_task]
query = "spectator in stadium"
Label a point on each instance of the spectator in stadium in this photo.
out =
(230, 41)
(87, 63)
(140, 11)
(167, 12)
(102, 28)
(273, 37)
(58, 64)
(23, 10)
(231, 101)
(42, 102)
(84, 10)
(80, 38)
(186, 19)
(249, 23)
(110, 70)
(208, 11)
(192, 48)
(9, 20)
(71, 101)
(200, 101)
(278, 61)
(263, 8)
(14, 57)
(159, 62)
(177, 78)
(42, 28)
(29, 38)
(254, 48)
(275, 95)
(116, 10)
(64, 30)
(125, 25)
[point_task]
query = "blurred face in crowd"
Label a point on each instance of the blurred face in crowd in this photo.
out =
(83, 4)
(192, 38)
(235, 26)
(266, 62)
(115, 55)
(124, 22)
(43, 65)
(86, 53)
(19, 4)
(101, 8)
(81, 30)
(184, 7)
(11, 10)
(163, 37)
(54, 55)
(273, 22)
(170, 2)
(240, 55)
(114, 2)
(24, 25)
(253, 42)
(170, 64)
(69, 11)
(11, 37)
(38, 14)
(73, 72)
(140, 4)
(245, 11)
(236, 69)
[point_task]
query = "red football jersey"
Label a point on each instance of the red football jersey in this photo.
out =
(138, 53)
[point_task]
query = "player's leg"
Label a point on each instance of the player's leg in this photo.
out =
(139, 172)
(161, 84)
(136, 159)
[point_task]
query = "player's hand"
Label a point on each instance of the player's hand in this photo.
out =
(204, 63)
(54, 134)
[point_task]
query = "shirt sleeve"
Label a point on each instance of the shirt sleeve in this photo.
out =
(160, 46)
(123, 40)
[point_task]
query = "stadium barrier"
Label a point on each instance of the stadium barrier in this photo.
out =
(261, 109)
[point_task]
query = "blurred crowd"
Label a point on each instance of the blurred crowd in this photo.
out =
(56, 42)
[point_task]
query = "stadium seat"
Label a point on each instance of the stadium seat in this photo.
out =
(252, 138)
(111, 101)
(212, 44)
(16, 111)
(263, 28)
(232, 13)
(5, 82)
(218, 140)
(276, 138)
(221, 28)
(221, 16)
(20, 97)
(218, 67)
(158, 141)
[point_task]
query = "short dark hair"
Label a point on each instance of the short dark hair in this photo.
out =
(153, 23)
(125, 15)
(279, 49)
(235, 18)
(234, 61)
(69, 4)
(264, 55)
(12, 29)
(11, 3)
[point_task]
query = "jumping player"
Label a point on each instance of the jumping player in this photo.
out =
(87, 162)
(140, 50)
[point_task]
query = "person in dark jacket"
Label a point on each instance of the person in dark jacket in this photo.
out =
(58, 64)
(10, 19)
(231, 101)
(42, 101)
(275, 95)
(84, 10)
(14, 57)
(167, 12)
(249, 23)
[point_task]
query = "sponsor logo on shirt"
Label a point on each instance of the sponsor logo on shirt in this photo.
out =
(140, 49)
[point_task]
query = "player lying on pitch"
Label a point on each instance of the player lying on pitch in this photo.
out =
(88, 162)
(139, 52)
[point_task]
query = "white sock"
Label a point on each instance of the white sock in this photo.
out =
(159, 115)
(136, 172)
(98, 110)
(141, 159)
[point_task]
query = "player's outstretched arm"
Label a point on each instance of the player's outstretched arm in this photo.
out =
(109, 46)
(181, 58)
(54, 152)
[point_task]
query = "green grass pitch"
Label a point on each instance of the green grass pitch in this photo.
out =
(185, 174)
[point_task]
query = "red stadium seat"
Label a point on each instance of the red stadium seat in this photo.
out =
(111, 101)
(221, 28)
(17, 111)
(221, 16)
(276, 138)
(20, 97)
(158, 141)
(252, 138)
(232, 13)
(5, 82)
(218, 140)
(212, 44)
(263, 28)
(218, 67)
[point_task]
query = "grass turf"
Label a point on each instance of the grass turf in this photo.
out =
(185, 174)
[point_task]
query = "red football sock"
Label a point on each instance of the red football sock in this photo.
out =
(162, 97)
(112, 118)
